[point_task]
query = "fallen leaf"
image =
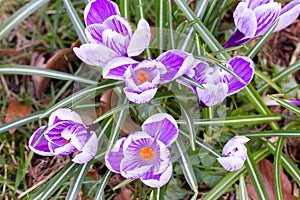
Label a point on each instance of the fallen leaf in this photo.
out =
(16, 110)
(23, 60)
(125, 194)
(58, 61)
(266, 170)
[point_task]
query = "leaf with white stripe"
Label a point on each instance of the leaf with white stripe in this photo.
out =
(243, 189)
(101, 185)
(286, 104)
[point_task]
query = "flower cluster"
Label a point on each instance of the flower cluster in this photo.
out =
(252, 18)
(112, 45)
(65, 134)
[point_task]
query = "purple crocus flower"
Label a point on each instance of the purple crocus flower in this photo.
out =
(252, 18)
(109, 35)
(234, 153)
(65, 134)
(144, 154)
(217, 82)
(142, 78)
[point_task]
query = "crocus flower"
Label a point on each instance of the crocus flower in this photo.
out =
(217, 82)
(109, 35)
(142, 78)
(65, 134)
(234, 153)
(252, 18)
(144, 154)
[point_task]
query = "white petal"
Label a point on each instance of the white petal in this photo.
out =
(231, 163)
(64, 114)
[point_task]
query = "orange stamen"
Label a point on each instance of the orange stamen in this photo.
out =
(147, 153)
(69, 140)
(142, 77)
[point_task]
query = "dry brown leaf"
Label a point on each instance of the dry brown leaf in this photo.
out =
(267, 174)
(14, 53)
(125, 194)
(15, 110)
(58, 61)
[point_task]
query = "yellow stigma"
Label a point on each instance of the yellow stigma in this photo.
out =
(142, 77)
(147, 153)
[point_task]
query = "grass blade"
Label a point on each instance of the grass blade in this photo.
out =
(77, 181)
(102, 184)
(243, 189)
(275, 133)
(185, 164)
(75, 19)
(19, 16)
(268, 80)
(190, 123)
(35, 71)
(277, 163)
(287, 105)
(240, 120)
(255, 176)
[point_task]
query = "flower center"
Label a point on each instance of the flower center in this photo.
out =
(147, 153)
(69, 140)
(142, 77)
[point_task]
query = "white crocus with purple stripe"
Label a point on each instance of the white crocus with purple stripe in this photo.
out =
(217, 82)
(65, 134)
(109, 35)
(253, 18)
(234, 153)
(145, 154)
(142, 78)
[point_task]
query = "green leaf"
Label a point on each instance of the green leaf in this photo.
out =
(254, 50)
(282, 75)
(185, 164)
(54, 184)
(35, 71)
(275, 133)
(240, 120)
(191, 81)
(83, 95)
(287, 105)
(268, 80)
(19, 16)
(77, 181)
(102, 184)
(277, 163)
(75, 19)
(204, 33)
(159, 193)
(243, 189)
(255, 176)
(190, 123)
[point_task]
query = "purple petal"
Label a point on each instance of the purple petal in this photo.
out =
(245, 20)
(236, 147)
(115, 156)
(266, 15)
(118, 24)
(77, 135)
(231, 163)
(89, 150)
(94, 32)
(255, 3)
(288, 15)
(140, 97)
(244, 68)
(140, 39)
(157, 180)
(133, 165)
(64, 114)
(161, 126)
(115, 41)
(95, 54)
(53, 133)
(66, 149)
(213, 94)
(236, 39)
(116, 68)
(41, 147)
(176, 62)
(96, 11)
